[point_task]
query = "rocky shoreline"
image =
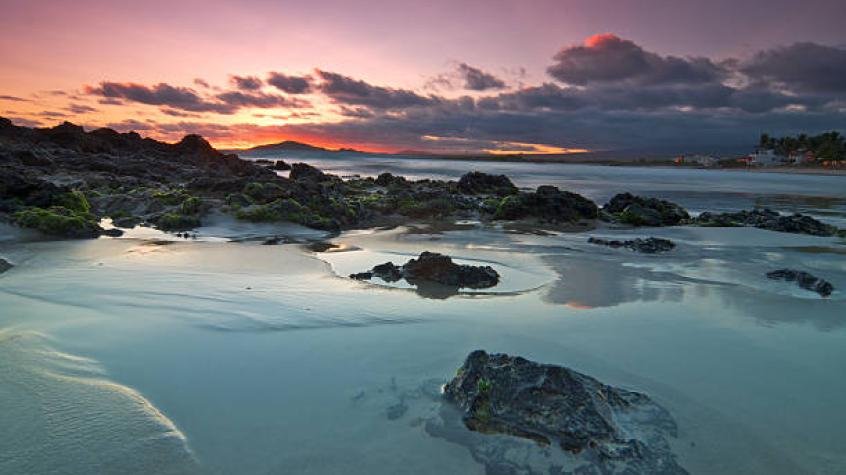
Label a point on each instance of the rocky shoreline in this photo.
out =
(63, 180)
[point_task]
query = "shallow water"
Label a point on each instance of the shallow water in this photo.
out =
(133, 355)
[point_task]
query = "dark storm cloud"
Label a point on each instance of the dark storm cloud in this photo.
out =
(346, 90)
(477, 80)
(186, 99)
(609, 58)
(80, 109)
(160, 95)
(246, 83)
(806, 67)
(239, 99)
(551, 98)
(290, 84)
(13, 98)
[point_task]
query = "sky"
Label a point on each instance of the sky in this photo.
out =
(497, 76)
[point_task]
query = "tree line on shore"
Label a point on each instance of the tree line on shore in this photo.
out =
(825, 146)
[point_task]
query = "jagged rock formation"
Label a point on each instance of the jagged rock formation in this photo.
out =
(589, 427)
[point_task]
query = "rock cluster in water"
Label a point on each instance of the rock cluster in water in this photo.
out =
(547, 204)
(649, 245)
(604, 429)
(804, 280)
(431, 267)
(768, 219)
(640, 211)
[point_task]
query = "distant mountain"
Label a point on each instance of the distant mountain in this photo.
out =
(286, 146)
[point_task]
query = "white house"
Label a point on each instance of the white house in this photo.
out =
(704, 160)
(766, 158)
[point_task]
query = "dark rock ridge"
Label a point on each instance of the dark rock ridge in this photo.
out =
(603, 429)
(649, 245)
(483, 183)
(548, 204)
(768, 219)
(431, 267)
(281, 165)
(804, 280)
(5, 265)
(640, 211)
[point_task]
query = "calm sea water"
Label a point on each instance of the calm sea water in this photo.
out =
(125, 356)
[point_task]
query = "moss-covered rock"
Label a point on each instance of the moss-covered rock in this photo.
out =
(191, 205)
(287, 210)
(642, 211)
(59, 221)
(548, 203)
(432, 208)
(75, 201)
(262, 193)
(170, 197)
(177, 222)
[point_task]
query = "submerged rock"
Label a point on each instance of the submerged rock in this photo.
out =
(431, 267)
(598, 428)
(5, 265)
(769, 220)
(640, 211)
(804, 280)
(650, 245)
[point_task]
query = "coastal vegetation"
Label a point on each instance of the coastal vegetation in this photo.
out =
(825, 146)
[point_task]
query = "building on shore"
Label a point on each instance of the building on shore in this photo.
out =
(701, 160)
(766, 158)
(801, 157)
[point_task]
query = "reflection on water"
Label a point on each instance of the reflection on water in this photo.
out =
(591, 283)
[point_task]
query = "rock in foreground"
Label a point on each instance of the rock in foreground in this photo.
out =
(431, 267)
(602, 429)
(804, 280)
(650, 245)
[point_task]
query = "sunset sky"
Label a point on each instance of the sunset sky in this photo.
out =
(441, 76)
